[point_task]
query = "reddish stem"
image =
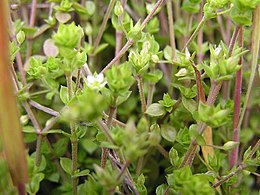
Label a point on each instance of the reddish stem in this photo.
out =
(233, 158)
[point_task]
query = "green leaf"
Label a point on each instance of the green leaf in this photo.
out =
(66, 165)
(161, 189)
(82, 173)
(153, 77)
(247, 153)
(167, 52)
(89, 145)
(64, 94)
(100, 48)
(168, 132)
(91, 7)
(34, 185)
(20, 37)
(155, 110)
(174, 157)
(189, 104)
(108, 145)
(56, 131)
(29, 129)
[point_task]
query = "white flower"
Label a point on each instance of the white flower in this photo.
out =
(187, 54)
(182, 72)
(218, 50)
(96, 81)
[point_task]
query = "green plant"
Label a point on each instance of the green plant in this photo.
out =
(133, 97)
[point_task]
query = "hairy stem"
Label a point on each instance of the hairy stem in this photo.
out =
(73, 139)
(233, 158)
(141, 92)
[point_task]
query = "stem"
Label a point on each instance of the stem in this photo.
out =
(54, 158)
(255, 50)
(73, 139)
(240, 168)
(150, 94)
(163, 151)
(104, 23)
(171, 28)
(119, 34)
(18, 56)
(44, 108)
(141, 92)
(195, 33)
(78, 80)
(112, 110)
(254, 149)
(200, 36)
(74, 157)
(105, 130)
(233, 158)
(31, 24)
(129, 43)
(173, 69)
(123, 170)
(69, 85)
(21, 189)
(38, 150)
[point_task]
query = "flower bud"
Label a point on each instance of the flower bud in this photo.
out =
(119, 10)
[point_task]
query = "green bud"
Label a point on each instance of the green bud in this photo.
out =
(119, 79)
(37, 69)
(155, 59)
(230, 145)
(80, 59)
(86, 106)
(91, 7)
(119, 10)
(68, 35)
(167, 102)
(65, 6)
(135, 32)
(88, 29)
(24, 119)
(142, 125)
(20, 37)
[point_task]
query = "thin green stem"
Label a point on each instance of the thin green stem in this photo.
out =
(141, 92)
(195, 33)
(73, 139)
(104, 23)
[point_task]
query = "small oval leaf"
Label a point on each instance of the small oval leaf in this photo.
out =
(155, 109)
(168, 132)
